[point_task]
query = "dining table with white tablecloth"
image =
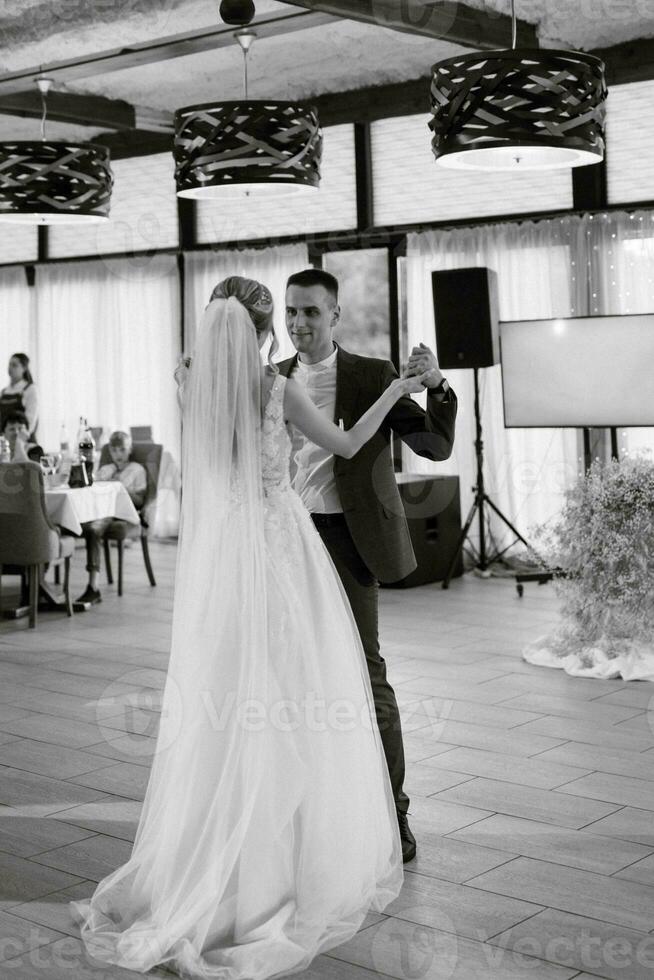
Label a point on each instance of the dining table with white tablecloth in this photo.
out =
(70, 507)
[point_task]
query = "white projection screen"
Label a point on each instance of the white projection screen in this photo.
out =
(577, 372)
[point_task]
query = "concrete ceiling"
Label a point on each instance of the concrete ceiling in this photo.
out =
(330, 58)
(582, 24)
(333, 57)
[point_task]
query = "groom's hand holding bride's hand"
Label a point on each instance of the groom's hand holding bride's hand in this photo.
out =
(412, 384)
(423, 362)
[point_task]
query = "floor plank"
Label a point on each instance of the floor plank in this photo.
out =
(613, 951)
(611, 899)
(628, 823)
(384, 949)
(621, 762)
(526, 801)
(496, 765)
(613, 789)
(561, 845)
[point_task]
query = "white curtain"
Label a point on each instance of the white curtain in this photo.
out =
(526, 470)
(17, 325)
(620, 265)
(107, 343)
(271, 266)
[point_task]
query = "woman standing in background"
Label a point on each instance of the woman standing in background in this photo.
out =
(20, 395)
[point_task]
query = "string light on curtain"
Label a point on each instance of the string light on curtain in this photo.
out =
(246, 146)
(52, 181)
(518, 109)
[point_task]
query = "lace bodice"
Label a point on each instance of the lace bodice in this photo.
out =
(276, 442)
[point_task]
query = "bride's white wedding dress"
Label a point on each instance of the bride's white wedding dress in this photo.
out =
(260, 845)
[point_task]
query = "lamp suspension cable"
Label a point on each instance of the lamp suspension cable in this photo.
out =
(245, 39)
(246, 52)
(44, 87)
(44, 110)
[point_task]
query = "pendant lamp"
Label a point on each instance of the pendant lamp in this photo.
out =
(54, 181)
(518, 109)
(246, 146)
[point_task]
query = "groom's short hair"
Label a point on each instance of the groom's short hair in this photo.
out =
(315, 277)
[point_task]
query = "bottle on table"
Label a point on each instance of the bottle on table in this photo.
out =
(86, 448)
(64, 450)
(64, 443)
(5, 450)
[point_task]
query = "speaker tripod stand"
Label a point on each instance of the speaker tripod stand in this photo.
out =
(481, 500)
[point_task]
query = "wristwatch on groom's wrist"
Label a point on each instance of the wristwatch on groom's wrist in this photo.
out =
(441, 389)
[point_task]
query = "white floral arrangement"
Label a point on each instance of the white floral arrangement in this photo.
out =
(602, 550)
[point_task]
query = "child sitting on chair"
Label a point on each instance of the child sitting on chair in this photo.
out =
(134, 478)
(21, 446)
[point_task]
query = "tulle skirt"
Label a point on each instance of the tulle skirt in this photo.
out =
(268, 830)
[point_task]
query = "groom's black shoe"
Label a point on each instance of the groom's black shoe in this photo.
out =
(408, 840)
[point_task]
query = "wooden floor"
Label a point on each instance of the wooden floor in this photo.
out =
(531, 792)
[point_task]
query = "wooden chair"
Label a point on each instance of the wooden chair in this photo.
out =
(148, 454)
(28, 538)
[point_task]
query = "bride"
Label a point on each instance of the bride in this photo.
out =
(268, 828)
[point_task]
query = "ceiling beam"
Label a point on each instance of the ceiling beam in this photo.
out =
(450, 21)
(87, 110)
(159, 50)
(374, 102)
(632, 61)
(135, 143)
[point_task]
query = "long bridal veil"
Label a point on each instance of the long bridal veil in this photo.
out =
(263, 840)
(208, 761)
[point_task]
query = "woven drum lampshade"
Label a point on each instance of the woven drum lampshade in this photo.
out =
(246, 146)
(52, 182)
(519, 109)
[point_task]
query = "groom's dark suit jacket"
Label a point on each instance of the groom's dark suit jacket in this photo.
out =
(366, 483)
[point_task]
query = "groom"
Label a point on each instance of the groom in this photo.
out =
(355, 503)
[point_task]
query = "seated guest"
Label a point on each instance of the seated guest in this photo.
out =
(16, 432)
(134, 478)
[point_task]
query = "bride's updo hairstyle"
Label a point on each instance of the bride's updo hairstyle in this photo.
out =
(257, 300)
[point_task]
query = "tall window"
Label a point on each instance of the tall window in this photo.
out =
(330, 208)
(364, 300)
(143, 213)
(630, 143)
(409, 187)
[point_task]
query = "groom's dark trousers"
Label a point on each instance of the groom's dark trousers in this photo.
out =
(362, 591)
(370, 541)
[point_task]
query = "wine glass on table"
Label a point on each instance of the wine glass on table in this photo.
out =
(47, 467)
(57, 462)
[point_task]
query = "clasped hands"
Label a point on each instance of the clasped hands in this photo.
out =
(422, 361)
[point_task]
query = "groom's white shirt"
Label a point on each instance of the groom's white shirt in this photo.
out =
(313, 467)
